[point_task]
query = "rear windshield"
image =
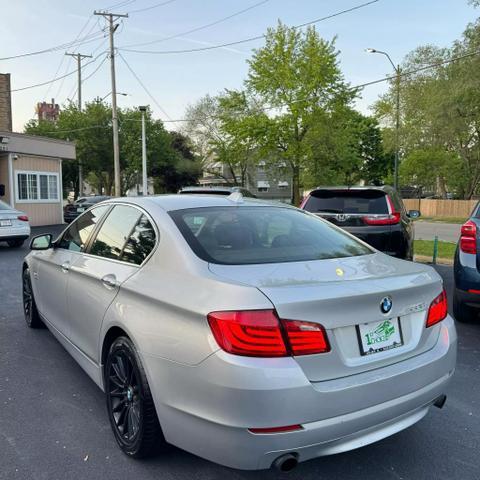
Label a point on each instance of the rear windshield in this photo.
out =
(253, 235)
(347, 201)
(4, 206)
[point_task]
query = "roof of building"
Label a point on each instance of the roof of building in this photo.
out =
(15, 142)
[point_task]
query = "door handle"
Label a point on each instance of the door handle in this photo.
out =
(65, 267)
(110, 281)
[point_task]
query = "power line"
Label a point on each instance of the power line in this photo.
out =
(144, 87)
(99, 66)
(87, 39)
(251, 39)
(53, 79)
(63, 56)
(161, 4)
(355, 87)
(197, 29)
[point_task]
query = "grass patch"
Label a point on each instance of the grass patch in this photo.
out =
(459, 220)
(424, 248)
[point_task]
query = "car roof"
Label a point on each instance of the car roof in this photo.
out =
(383, 188)
(210, 189)
(170, 202)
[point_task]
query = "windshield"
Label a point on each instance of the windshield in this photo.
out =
(347, 201)
(4, 206)
(254, 235)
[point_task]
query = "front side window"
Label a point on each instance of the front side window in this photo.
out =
(115, 231)
(33, 186)
(76, 236)
(255, 235)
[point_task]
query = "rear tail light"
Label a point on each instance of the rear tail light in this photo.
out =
(468, 237)
(438, 309)
(305, 338)
(391, 219)
(23, 218)
(259, 333)
(304, 201)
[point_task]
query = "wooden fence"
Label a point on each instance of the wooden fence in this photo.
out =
(441, 208)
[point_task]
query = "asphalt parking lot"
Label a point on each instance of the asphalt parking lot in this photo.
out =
(53, 422)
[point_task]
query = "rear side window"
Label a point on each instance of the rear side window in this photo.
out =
(347, 201)
(76, 236)
(140, 242)
(125, 235)
(255, 235)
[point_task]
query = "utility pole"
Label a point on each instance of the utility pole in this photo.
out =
(397, 127)
(79, 58)
(111, 17)
(144, 154)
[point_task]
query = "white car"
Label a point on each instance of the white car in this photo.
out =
(14, 226)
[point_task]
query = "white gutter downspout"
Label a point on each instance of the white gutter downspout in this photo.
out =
(60, 193)
(11, 180)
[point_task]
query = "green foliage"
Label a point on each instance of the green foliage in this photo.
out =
(295, 110)
(91, 129)
(440, 112)
(296, 73)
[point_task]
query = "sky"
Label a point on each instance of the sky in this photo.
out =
(178, 80)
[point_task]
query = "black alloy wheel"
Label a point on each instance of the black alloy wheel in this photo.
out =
(129, 401)
(29, 306)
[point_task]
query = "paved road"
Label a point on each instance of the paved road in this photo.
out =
(53, 423)
(448, 232)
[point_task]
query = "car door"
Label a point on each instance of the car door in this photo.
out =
(51, 268)
(122, 242)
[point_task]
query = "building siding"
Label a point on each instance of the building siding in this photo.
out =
(40, 213)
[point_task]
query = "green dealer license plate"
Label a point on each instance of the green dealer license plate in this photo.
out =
(379, 336)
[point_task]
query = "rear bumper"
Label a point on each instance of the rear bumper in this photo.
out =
(208, 409)
(15, 233)
(467, 298)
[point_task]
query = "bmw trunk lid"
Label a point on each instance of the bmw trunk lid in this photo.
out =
(361, 301)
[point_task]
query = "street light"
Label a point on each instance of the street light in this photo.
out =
(118, 93)
(143, 109)
(396, 68)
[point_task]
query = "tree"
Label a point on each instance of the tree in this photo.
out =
(297, 74)
(223, 130)
(91, 129)
(441, 113)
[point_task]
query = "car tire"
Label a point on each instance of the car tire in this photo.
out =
(463, 313)
(15, 243)
(32, 317)
(130, 406)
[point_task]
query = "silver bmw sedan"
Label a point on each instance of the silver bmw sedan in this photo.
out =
(249, 333)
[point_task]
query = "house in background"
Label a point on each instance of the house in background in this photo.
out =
(30, 167)
(31, 175)
(263, 180)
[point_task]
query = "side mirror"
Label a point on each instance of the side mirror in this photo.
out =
(414, 214)
(41, 242)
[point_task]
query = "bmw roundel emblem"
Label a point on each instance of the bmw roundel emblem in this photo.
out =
(386, 305)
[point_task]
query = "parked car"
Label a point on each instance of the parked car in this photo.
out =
(14, 226)
(246, 332)
(466, 268)
(216, 191)
(373, 214)
(72, 210)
